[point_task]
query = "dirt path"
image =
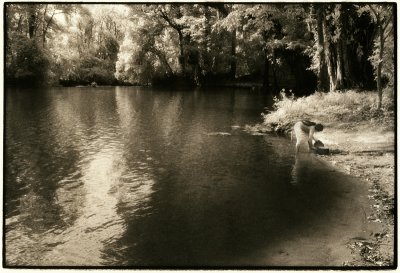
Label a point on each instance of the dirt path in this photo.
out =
(368, 153)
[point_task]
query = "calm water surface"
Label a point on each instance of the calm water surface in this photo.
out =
(128, 176)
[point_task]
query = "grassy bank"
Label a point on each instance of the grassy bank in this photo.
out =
(339, 109)
(361, 142)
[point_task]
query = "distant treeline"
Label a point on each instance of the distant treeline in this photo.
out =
(305, 47)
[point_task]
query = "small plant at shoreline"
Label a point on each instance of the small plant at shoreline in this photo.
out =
(345, 107)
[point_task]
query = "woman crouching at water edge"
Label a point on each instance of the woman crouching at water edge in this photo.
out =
(304, 131)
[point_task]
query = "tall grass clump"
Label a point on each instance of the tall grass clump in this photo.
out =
(340, 107)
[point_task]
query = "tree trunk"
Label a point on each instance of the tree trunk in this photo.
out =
(206, 45)
(163, 59)
(44, 27)
(266, 74)
(232, 72)
(328, 56)
(19, 28)
(339, 51)
(339, 65)
(379, 71)
(347, 75)
(31, 22)
(182, 61)
(178, 28)
(275, 87)
(323, 84)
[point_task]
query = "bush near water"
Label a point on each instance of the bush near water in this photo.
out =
(335, 107)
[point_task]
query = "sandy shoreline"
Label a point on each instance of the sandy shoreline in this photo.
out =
(365, 151)
(368, 154)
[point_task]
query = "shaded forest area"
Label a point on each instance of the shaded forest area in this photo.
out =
(303, 47)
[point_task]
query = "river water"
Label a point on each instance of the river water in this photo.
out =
(132, 176)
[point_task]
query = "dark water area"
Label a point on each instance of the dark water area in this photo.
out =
(131, 176)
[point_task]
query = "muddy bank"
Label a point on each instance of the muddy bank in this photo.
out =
(367, 152)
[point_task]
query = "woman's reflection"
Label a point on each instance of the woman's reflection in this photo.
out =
(302, 168)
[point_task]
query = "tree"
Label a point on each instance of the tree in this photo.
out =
(382, 57)
(179, 41)
(342, 46)
(28, 28)
(149, 48)
(268, 33)
(91, 44)
(30, 65)
(172, 14)
(203, 42)
(230, 24)
(48, 18)
(26, 61)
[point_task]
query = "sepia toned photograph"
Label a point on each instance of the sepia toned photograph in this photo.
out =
(207, 135)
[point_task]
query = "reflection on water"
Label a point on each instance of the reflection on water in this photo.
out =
(302, 168)
(139, 177)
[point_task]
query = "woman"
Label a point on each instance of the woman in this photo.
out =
(304, 131)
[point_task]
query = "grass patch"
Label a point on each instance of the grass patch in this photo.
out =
(350, 107)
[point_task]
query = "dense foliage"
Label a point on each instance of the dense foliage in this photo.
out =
(320, 46)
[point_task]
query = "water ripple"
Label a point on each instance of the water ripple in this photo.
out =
(131, 176)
